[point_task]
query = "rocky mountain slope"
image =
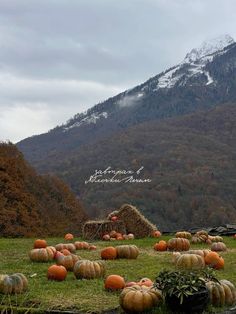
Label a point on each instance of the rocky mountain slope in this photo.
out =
(33, 205)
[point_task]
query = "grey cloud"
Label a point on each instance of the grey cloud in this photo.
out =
(73, 54)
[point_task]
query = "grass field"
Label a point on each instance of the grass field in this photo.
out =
(88, 295)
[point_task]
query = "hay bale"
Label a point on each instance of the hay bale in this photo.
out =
(95, 229)
(135, 222)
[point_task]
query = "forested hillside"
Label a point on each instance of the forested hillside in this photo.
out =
(33, 205)
(190, 160)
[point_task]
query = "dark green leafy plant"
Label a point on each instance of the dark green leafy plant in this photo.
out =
(183, 283)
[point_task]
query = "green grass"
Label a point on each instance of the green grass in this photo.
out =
(88, 295)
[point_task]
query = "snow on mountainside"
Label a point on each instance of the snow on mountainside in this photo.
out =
(194, 63)
(191, 71)
(209, 47)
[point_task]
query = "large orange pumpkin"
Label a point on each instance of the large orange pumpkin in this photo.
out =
(114, 282)
(40, 244)
(109, 253)
(57, 272)
(212, 258)
(69, 237)
(220, 264)
(160, 246)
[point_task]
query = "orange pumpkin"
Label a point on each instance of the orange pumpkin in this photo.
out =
(212, 259)
(56, 272)
(220, 264)
(160, 246)
(40, 244)
(69, 237)
(118, 235)
(109, 253)
(156, 234)
(145, 282)
(114, 282)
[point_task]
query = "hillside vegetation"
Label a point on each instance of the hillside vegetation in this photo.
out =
(191, 161)
(31, 204)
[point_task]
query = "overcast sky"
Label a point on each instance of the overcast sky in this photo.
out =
(60, 57)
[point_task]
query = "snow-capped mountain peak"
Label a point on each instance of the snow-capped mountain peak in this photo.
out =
(195, 63)
(209, 47)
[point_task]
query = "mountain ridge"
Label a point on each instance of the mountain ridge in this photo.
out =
(193, 169)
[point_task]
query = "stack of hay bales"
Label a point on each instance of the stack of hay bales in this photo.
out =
(135, 222)
(130, 220)
(95, 229)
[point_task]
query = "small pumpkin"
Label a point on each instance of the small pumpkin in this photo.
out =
(89, 269)
(127, 251)
(65, 252)
(57, 272)
(81, 245)
(156, 234)
(12, 284)
(119, 236)
(41, 255)
(190, 261)
(112, 234)
(69, 237)
(218, 246)
(109, 253)
(130, 236)
(138, 299)
(114, 282)
(160, 246)
(40, 244)
(114, 218)
(92, 247)
(145, 282)
(68, 261)
(183, 234)
(216, 238)
(222, 293)
(69, 246)
(106, 237)
(130, 284)
(202, 232)
(178, 244)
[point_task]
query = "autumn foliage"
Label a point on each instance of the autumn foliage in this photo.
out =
(31, 204)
